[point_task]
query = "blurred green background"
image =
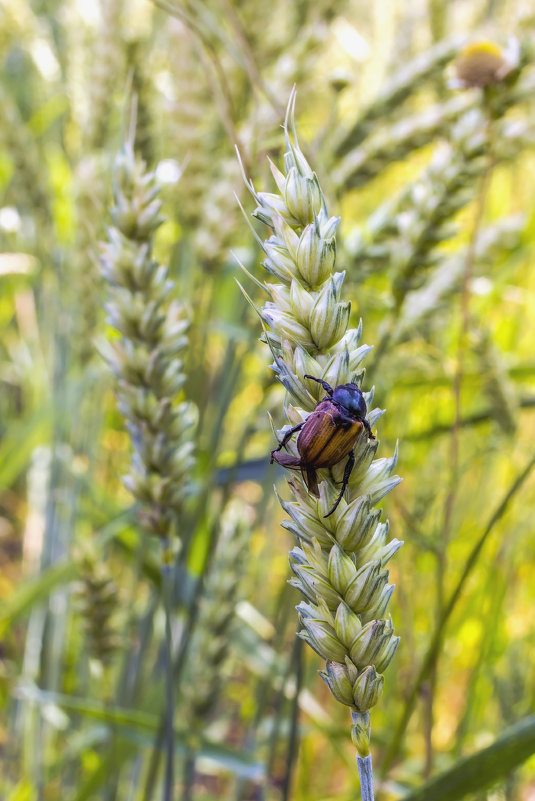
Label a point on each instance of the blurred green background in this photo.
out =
(423, 190)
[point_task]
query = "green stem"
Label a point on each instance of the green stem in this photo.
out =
(189, 776)
(500, 579)
(278, 710)
(167, 584)
(455, 447)
(263, 688)
(474, 419)
(293, 739)
(191, 621)
(360, 734)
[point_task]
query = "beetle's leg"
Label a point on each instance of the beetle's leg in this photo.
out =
(287, 437)
(311, 479)
(350, 464)
(331, 476)
(368, 428)
(327, 387)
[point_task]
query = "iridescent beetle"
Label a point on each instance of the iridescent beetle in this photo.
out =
(327, 436)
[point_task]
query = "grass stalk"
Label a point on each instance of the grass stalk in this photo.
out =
(498, 582)
(192, 614)
(474, 419)
(189, 775)
(436, 642)
(364, 762)
(222, 94)
(293, 738)
(451, 497)
(178, 665)
(190, 625)
(167, 592)
(366, 777)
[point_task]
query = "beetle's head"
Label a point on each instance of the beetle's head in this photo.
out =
(351, 398)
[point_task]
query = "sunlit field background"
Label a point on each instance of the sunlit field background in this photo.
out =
(438, 242)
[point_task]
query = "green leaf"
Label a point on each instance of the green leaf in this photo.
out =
(47, 114)
(116, 716)
(33, 591)
(24, 791)
(38, 588)
(240, 763)
(436, 641)
(119, 753)
(19, 442)
(482, 769)
(138, 727)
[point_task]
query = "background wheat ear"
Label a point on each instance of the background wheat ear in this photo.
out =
(146, 357)
(146, 362)
(339, 563)
(99, 601)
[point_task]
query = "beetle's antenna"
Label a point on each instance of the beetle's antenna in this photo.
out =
(327, 387)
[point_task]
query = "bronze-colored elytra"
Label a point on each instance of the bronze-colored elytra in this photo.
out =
(327, 436)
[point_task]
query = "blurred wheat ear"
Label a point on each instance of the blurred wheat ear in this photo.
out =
(145, 361)
(146, 358)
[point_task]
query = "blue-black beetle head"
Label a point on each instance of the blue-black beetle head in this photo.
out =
(351, 398)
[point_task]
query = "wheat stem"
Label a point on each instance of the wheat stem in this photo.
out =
(366, 777)
(167, 590)
(361, 722)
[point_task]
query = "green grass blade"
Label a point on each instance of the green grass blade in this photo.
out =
(120, 753)
(115, 716)
(38, 588)
(19, 442)
(139, 727)
(436, 641)
(482, 769)
(33, 591)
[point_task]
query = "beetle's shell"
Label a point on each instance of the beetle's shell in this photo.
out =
(324, 440)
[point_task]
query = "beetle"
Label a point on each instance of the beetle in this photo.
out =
(327, 436)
